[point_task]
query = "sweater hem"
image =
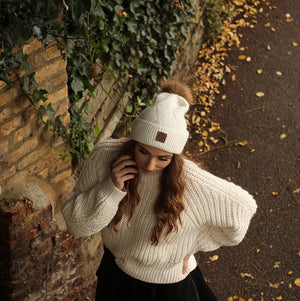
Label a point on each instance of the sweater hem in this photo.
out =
(163, 275)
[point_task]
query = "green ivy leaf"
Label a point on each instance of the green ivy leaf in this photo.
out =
(129, 108)
(97, 129)
(50, 111)
(90, 146)
(48, 125)
(132, 27)
(77, 85)
(26, 82)
(41, 111)
(153, 76)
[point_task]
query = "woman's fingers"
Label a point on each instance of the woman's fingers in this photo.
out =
(123, 169)
(122, 158)
(122, 162)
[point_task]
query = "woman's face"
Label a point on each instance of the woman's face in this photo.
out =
(150, 159)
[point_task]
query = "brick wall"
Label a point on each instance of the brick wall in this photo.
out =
(39, 260)
(28, 150)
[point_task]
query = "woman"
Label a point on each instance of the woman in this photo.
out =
(155, 208)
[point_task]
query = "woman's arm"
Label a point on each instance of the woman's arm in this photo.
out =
(95, 199)
(223, 207)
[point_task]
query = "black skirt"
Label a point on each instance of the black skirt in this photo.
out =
(115, 285)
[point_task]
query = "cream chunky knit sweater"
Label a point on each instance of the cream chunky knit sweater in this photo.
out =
(217, 214)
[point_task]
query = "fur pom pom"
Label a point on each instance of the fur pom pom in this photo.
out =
(176, 87)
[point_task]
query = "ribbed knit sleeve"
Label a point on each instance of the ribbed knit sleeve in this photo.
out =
(225, 208)
(95, 199)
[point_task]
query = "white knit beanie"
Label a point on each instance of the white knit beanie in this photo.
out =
(163, 124)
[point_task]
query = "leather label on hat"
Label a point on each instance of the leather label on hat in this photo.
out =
(161, 137)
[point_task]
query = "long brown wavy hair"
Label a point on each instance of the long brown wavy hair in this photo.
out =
(169, 203)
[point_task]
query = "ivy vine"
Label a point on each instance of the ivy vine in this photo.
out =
(133, 41)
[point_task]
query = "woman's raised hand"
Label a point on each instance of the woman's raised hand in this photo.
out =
(123, 169)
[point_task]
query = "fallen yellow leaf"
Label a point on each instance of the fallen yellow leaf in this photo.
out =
(297, 282)
(297, 191)
(278, 73)
(248, 59)
(290, 272)
(259, 71)
(242, 57)
(276, 265)
(242, 143)
(248, 275)
(233, 77)
(289, 18)
(295, 44)
(275, 285)
(238, 2)
(260, 94)
(268, 47)
(274, 193)
(279, 298)
(282, 136)
(214, 258)
(213, 140)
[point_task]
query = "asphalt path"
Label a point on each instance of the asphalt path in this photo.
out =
(266, 264)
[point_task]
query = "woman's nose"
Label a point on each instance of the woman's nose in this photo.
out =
(150, 164)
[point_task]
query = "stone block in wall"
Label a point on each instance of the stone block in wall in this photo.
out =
(52, 51)
(5, 114)
(20, 105)
(39, 260)
(110, 126)
(2, 84)
(37, 60)
(23, 150)
(101, 93)
(24, 133)
(10, 126)
(43, 74)
(57, 83)
(33, 45)
(9, 93)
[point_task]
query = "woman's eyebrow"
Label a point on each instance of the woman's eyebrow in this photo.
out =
(161, 156)
(144, 149)
(165, 156)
